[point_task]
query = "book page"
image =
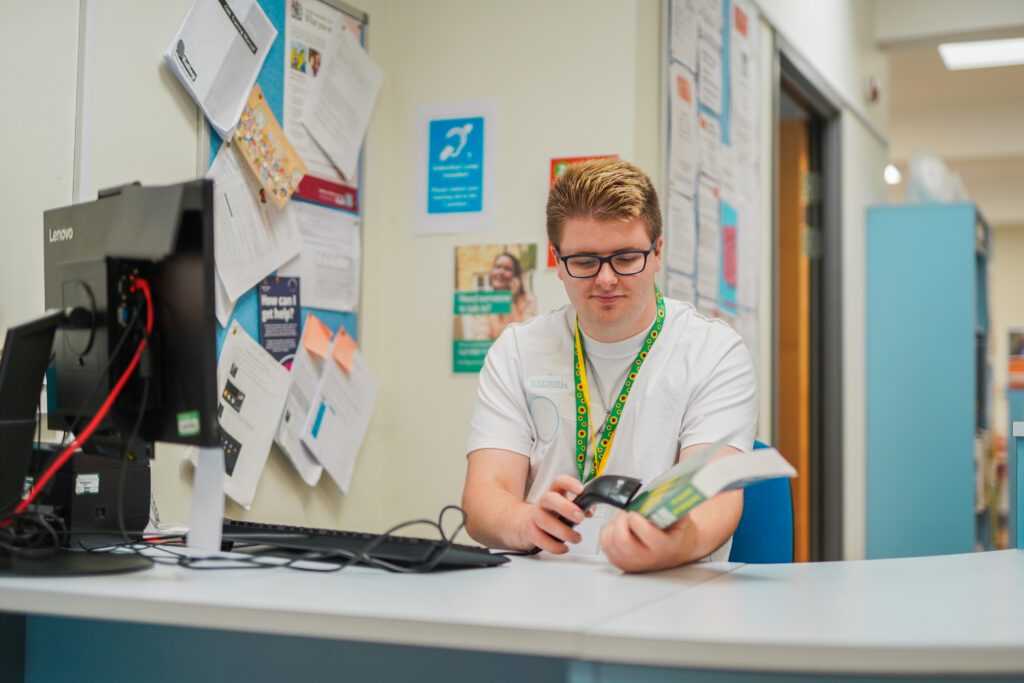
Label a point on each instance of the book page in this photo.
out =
(697, 478)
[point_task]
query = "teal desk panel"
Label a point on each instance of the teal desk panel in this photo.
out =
(920, 341)
(87, 651)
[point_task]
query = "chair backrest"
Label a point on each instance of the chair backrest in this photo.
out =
(765, 532)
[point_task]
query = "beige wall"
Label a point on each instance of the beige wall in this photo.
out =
(838, 38)
(570, 78)
(40, 43)
(560, 91)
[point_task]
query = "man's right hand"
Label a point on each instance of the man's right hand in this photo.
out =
(541, 526)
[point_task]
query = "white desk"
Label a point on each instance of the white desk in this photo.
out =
(530, 606)
(960, 613)
(955, 613)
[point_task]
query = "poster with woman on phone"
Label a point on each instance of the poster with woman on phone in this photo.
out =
(493, 289)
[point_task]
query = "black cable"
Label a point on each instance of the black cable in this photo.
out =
(255, 560)
(124, 457)
(8, 508)
(80, 413)
(34, 535)
(39, 422)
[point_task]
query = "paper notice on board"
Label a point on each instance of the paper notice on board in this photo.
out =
(684, 33)
(709, 80)
(339, 417)
(305, 375)
(749, 249)
(708, 238)
(308, 27)
(223, 305)
(682, 234)
(267, 151)
(329, 263)
(728, 278)
(681, 287)
(709, 19)
(709, 138)
(339, 107)
(742, 84)
(253, 387)
(251, 239)
(217, 53)
(683, 123)
(279, 300)
(727, 169)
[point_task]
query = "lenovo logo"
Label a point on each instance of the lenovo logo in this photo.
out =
(63, 235)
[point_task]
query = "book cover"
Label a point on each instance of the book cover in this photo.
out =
(701, 476)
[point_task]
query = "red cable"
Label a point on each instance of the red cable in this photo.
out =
(81, 438)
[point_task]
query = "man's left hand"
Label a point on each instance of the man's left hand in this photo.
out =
(633, 544)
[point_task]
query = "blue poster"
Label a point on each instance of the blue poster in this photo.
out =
(279, 319)
(728, 271)
(455, 171)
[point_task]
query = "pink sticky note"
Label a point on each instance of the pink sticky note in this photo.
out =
(344, 349)
(316, 337)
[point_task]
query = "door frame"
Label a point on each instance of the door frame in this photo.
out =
(826, 438)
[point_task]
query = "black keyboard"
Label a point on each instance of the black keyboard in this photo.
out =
(404, 551)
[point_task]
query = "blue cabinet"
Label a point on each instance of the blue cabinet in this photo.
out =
(927, 376)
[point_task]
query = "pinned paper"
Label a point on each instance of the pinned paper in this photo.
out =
(316, 337)
(252, 395)
(339, 107)
(305, 376)
(339, 416)
(216, 54)
(279, 317)
(344, 350)
(252, 238)
(268, 153)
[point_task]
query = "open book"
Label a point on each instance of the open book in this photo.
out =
(698, 478)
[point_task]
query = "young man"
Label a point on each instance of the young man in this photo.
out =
(621, 381)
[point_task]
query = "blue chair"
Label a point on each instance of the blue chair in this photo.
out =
(765, 532)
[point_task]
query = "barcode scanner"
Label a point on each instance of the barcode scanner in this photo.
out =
(608, 489)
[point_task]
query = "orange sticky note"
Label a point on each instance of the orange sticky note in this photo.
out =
(344, 349)
(316, 336)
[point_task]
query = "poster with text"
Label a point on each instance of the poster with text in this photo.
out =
(493, 289)
(310, 26)
(454, 168)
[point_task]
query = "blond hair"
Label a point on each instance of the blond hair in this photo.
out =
(603, 189)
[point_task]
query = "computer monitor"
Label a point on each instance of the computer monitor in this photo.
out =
(91, 253)
(97, 257)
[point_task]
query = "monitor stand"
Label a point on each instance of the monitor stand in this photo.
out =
(22, 366)
(207, 520)
(64, 562)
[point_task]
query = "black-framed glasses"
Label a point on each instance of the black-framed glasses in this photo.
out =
(628, 262)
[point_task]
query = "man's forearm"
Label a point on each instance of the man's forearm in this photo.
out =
(710, 526)
(494, 517)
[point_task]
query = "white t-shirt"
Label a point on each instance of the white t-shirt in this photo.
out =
(696, 386)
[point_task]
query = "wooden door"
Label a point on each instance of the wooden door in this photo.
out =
(793, 322)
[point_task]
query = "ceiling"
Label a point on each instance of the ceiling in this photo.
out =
(972, 119)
